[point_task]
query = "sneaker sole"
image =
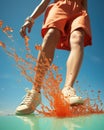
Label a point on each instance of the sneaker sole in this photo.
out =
(74, 100)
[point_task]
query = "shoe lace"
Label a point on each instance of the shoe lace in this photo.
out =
(27, 99)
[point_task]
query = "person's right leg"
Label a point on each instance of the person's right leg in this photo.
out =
(33, 99)
(73, 66)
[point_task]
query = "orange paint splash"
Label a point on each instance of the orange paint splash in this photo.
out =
(26, 38)
(38, 47)
(2, 45)
(57, 106)
(1, 23)
(6, 30)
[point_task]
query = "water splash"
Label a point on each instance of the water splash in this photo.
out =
(57, 107)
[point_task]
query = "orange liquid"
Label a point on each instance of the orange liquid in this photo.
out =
(60, 108)
(57, 107)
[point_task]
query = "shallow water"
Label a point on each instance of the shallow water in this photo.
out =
(36, 122)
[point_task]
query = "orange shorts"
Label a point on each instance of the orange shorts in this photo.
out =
(67, 16)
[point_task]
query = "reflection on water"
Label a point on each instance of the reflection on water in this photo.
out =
(35, 122)
(92, 122)
(31, 121)
(39, 122)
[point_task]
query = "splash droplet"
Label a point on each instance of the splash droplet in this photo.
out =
(2, 44)
(6, 29)
(38, 47)
(26, 38)
(1, 23)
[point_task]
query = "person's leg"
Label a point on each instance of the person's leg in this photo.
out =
(33, 97)
(45, 56)
(74, 60)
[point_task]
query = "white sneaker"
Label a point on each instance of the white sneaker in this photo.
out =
(71, 97)
(30, 102)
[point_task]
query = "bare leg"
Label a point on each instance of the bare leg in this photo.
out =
(75, 58)
(33, 97)
(48, 48)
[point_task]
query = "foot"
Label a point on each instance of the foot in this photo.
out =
(71, 97)
(30, 102)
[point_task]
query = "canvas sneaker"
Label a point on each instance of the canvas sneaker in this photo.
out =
(29, 103)
(71, 97)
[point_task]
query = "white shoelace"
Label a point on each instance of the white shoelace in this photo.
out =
(28, 98)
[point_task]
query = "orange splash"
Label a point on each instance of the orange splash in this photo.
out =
(1, 23)
(57, 106)
(2, 44)
(26, 38)
(38, 47)
(6, 30)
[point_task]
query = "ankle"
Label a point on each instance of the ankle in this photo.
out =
(68, 86)
(37, 89)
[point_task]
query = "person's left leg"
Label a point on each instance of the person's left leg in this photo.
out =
(73, 65)
(33, 96)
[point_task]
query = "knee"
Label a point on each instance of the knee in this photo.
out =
(52, 35)
(77, 39)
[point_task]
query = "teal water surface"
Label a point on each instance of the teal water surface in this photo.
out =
(33, 122)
